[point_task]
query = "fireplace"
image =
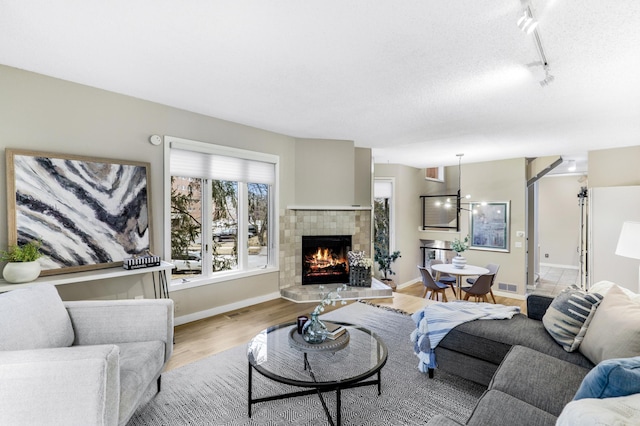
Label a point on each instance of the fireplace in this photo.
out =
(324, 259)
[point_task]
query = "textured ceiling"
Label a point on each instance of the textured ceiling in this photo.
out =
(416, 80)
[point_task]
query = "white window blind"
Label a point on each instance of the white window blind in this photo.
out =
(382, 189)
(204, 161)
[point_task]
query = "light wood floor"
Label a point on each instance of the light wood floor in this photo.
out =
(209, 336)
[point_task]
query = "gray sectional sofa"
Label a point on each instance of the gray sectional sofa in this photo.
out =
(530, 378)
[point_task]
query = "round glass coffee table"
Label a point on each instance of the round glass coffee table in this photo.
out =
(275, 354)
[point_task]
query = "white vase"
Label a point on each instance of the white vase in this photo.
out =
(21, 272)
(459, 262)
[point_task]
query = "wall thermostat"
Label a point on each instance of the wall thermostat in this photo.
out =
(155, 140)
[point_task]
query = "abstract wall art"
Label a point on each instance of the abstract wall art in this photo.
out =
(490, 226)
(89, 213)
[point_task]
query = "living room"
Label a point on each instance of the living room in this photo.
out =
(51, 112)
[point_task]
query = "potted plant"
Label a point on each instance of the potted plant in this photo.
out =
(459, 247)
(384, 260)
(23, 265)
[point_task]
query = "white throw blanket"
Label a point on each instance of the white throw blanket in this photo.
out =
(436, 320)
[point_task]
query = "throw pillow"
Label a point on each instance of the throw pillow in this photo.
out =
(610, 378)
(603, 287)
(34, 318)
(623, 410)
(614, 331)
(569, 315)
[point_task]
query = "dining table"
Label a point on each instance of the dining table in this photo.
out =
(459, 273)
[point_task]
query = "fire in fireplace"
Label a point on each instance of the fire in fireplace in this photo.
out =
(324, 259)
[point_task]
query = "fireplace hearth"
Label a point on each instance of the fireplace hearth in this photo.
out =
(324, 259)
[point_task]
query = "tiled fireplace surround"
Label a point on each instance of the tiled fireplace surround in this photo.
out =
(294, 223)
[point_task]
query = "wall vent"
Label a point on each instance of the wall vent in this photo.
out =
(512, 288)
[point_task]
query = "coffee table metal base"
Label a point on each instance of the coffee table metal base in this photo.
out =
(317, 390)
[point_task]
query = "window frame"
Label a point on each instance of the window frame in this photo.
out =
(209, 278)
(392, 209)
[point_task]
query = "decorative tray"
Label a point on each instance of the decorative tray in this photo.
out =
(297, 342)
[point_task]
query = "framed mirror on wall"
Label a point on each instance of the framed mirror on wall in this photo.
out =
(489, 227)
(89, 213)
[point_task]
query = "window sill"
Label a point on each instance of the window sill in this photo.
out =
(220, 277)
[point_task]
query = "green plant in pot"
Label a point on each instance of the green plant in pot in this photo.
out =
(22, 262)
(384, 259)
(459, 247)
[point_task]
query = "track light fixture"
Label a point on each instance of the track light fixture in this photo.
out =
(529, 24)
(548, 78)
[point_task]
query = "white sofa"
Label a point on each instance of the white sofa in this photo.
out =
(79, 363)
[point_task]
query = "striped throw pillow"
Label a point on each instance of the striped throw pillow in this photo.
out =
(569, 315)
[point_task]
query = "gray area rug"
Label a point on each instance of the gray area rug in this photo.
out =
(213, 391)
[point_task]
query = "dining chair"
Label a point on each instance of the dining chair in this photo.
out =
(493, 270)
(432, 285)
(480, 288)
(443, 277)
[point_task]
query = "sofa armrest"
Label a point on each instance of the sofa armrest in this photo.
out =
(537, 305)
(98, 322)
(63, 386)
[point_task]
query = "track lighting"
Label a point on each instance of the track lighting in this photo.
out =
(527, 23)
(548, 78)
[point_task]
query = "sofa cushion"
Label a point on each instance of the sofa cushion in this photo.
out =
(491, 340)
(569, 315)
(623, 410)
(140, 364)
(497, 408)
(611, 378)
(538, 379)
(603, 288)
(34, 318)
(614, 331)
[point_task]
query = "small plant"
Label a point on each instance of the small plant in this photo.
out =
(385, 260)
(24, 253)
(460, 246)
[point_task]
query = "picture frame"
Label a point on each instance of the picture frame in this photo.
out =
(489, 227)
(89, 213)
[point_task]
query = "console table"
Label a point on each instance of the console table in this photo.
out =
(160, 286)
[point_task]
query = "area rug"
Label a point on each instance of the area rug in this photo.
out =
(213, 391)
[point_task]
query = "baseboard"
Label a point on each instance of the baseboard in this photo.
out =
(509, 295)
(409, 283)
(183, 319)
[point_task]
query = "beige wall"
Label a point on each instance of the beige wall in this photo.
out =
(506, 182)
(503, 180)
(363, 177)
(324, 172)
(46, 114)
(409, 185)
(614, 167)
(559, 220)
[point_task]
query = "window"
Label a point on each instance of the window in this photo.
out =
(383, 226)
(434, 173)
(221, 210)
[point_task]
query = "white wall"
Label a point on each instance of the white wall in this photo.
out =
(614, 182)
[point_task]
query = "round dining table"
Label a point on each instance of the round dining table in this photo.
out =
(459, 273)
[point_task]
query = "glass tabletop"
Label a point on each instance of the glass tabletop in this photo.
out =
(273, 355)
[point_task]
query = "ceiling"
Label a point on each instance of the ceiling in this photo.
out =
(418, 81)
